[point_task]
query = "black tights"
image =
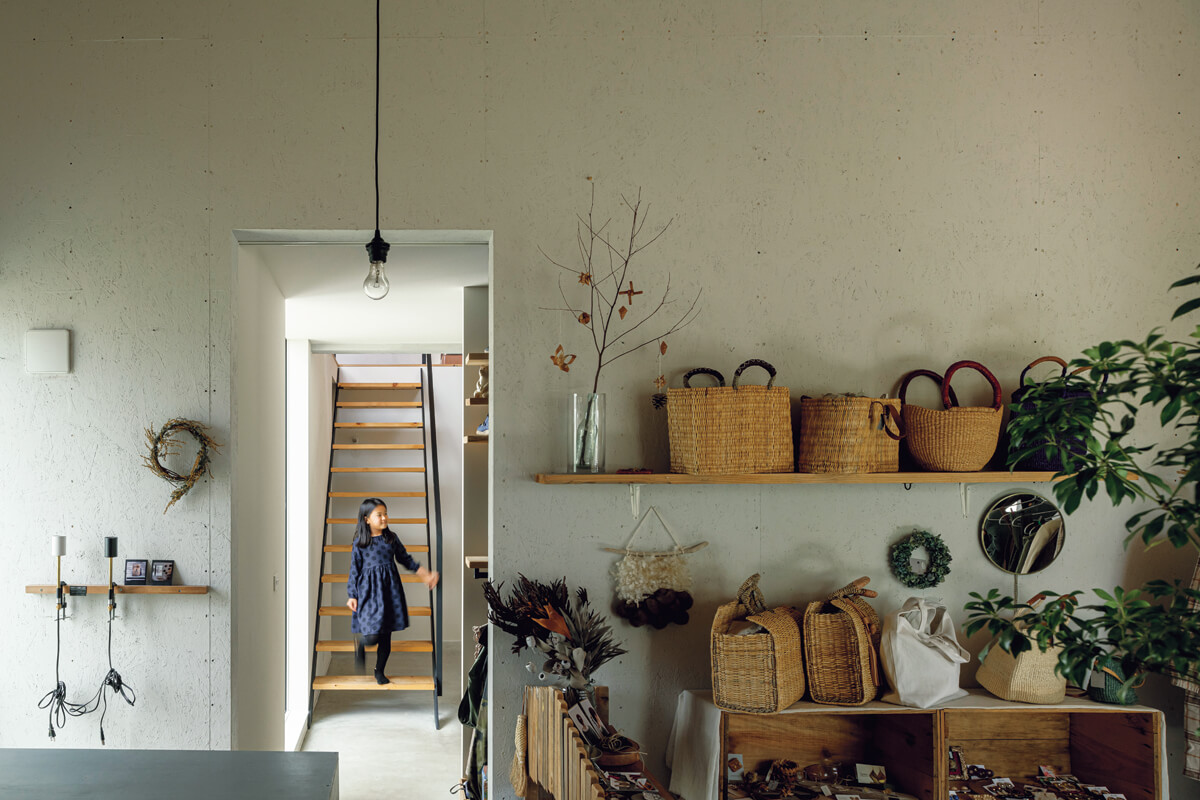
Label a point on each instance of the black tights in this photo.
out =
(384, 640)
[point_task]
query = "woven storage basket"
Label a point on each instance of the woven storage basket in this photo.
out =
(1040, 461)
(724, 430)
(758, 673)
(839, 433)
(1026, 678)
(955, 438)
(841, 647)
(1106, 687)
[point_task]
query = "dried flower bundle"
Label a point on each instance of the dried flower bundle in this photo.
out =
(573, 638)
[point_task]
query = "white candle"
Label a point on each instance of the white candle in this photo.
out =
(58, 545)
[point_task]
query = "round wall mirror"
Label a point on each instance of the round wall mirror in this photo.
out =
(1022, 533)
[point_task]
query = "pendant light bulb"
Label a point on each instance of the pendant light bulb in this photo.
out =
(376, 284)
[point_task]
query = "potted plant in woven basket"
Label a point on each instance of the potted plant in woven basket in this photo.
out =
(1088, 420)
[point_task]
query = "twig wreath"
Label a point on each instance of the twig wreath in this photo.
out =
(939, 560)
(163, 444)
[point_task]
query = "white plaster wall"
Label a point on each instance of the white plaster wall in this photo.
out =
(259, 526)
(859, 189)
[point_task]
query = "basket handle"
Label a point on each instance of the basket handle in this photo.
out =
(755, 362)
(1042, 360)
(923, 373)
(854, 588)
(702, 371)
(890, 411)
(750, 596)
(997, 403)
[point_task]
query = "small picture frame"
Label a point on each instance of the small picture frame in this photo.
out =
(135, 571)
(162, 573)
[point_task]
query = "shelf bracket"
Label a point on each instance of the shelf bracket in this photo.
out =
(635, 499)
(962, 493)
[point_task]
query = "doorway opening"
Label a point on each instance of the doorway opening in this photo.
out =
(307, 292)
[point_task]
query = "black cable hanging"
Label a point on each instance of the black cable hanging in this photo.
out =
(376, 285)
(55, 701)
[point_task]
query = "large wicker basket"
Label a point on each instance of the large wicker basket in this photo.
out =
(841, 647)
(725, 430)
(954, 438)
(841, 433)
(759, 673)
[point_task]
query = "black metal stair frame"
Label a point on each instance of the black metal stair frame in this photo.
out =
(433, 537)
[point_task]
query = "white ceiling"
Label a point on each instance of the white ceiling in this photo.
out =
(322, 287)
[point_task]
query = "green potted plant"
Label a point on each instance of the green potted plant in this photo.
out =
(1088, 420)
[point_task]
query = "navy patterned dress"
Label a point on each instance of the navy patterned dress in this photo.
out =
(375, 581)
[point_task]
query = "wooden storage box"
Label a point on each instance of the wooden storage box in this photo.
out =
(903, 741)
(1117, 748)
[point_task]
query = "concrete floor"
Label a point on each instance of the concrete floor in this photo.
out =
(385, 740)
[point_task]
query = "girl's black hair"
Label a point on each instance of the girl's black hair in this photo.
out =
(362, 531)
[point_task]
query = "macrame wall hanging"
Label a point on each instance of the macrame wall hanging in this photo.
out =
(653, 587)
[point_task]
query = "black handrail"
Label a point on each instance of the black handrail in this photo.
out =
(437, 514)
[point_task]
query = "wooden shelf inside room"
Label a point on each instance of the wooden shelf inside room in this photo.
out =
(477, 401)
(1000, 476)
(103, 589)
(475, 439)
(477, 359)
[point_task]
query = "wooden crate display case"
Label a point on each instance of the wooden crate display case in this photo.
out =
(904, 742)
(1113, 748)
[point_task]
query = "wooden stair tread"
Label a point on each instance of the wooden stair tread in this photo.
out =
(379, 385)
(399, 683)
(393, 521)
(342, 577)
(378, 404)
(377, 425)
(379, 447)
(376, 494)
(345, 548)
(398, 646)
(377, 469)
(343, 611)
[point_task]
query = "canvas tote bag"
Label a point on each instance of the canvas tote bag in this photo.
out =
(921, 654)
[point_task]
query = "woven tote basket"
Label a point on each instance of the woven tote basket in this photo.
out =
(839, 433)
(1040, 461)
(841, 647)
(955, 438)
(1026, 678)
(760, 673)
(723, 430)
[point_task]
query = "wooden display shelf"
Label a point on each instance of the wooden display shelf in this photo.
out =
(477, 359)
(478, 564)
(121, 589)
(477, 401)
(797, 478)
(475, 439)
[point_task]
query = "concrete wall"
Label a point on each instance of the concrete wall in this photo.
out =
(859, 189)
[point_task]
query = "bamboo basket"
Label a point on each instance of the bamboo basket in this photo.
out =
(841, 433)
(759, 673)
(841, 647)
(735, 430)
(955, 438)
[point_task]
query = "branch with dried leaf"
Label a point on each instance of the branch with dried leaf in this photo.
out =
(608, 283)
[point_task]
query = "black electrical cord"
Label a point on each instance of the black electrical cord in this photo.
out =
(377, 36)
(56, 701)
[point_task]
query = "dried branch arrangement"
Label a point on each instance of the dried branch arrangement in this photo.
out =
(164, 444)
(573, 638)
(614, 323)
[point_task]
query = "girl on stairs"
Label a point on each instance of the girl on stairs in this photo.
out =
(376, 596)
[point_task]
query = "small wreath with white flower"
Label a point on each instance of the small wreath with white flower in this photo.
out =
(939, 560)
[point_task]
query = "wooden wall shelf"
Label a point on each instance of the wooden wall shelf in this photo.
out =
(477, 401)
(475, 439)
(796, 478)
(477, 359)
(103, 589)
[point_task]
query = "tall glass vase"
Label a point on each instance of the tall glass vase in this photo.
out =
(586, 432)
